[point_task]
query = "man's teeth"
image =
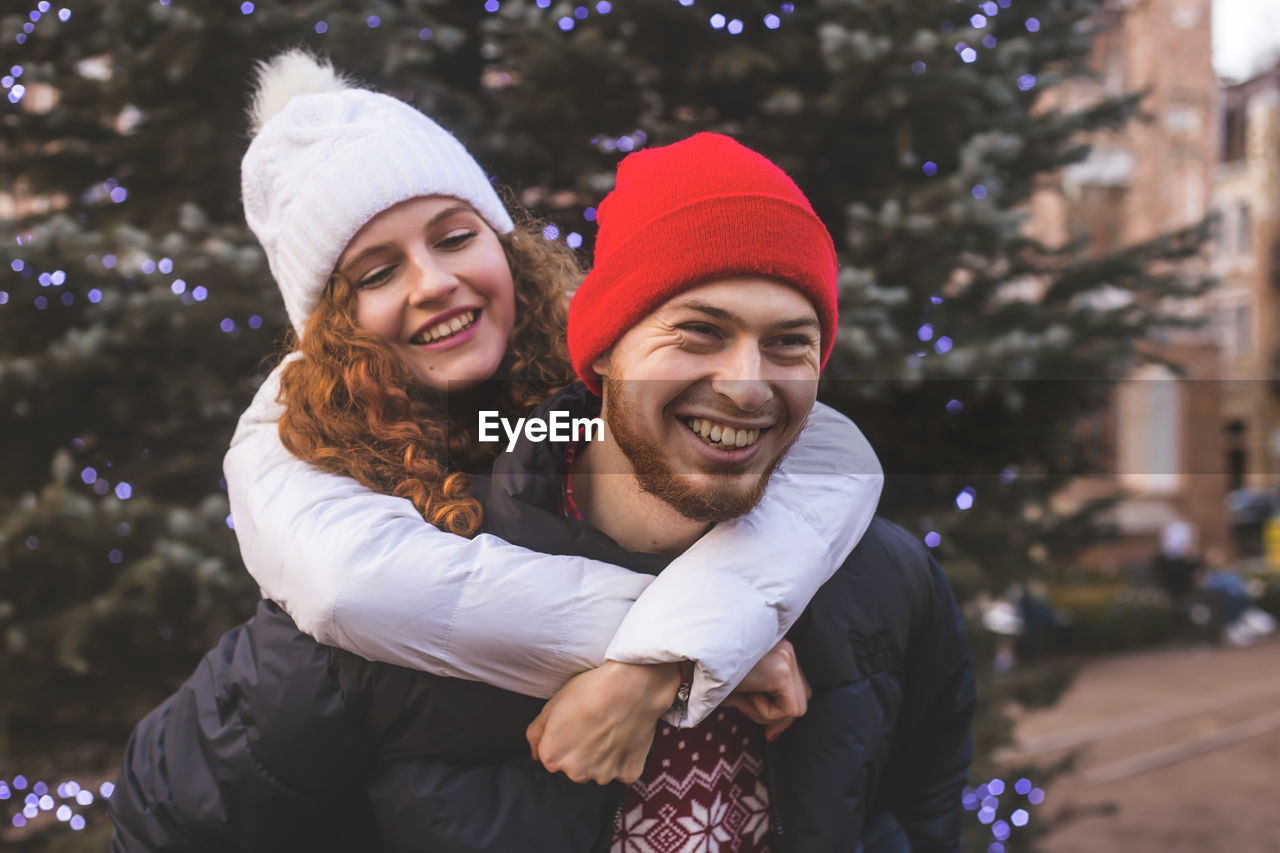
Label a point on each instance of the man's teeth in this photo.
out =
(726, 436)
(445, 329)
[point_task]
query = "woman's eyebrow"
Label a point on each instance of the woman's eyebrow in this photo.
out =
(371, 250)
(450, 211)
(444, 214)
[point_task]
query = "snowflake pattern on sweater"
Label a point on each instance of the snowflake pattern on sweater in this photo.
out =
(702, 791)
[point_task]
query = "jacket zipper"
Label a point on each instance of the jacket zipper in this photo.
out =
(615, 808)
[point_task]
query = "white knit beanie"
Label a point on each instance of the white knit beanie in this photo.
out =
(327, 157)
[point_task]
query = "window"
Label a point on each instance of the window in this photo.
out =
(1234, 129)
(1149, 424)
(1244, 229)
(1098, 218)
(1242, 329)
(1237, 455)
(1235, 330)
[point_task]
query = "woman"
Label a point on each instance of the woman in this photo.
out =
(347, 562)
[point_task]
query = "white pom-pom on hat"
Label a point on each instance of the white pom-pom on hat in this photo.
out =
(292, 73)
(327, 157)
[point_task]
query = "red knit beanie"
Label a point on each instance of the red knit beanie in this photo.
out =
(687, 213)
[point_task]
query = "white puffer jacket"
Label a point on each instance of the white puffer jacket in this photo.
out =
(363, 571)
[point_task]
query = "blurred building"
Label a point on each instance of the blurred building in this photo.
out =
(1246, 259)
(1161, 447)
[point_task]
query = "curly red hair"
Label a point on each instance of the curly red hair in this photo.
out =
(353, 408)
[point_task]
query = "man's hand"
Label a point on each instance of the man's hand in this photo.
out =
(775, 692)
(600, 725)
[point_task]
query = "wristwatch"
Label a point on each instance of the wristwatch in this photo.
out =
(681, 705)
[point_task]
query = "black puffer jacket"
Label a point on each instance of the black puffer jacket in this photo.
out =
(276, 743)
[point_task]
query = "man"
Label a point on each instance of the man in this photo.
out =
(727, 285)
(704, 325)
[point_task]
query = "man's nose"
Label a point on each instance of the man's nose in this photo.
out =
(740, 378)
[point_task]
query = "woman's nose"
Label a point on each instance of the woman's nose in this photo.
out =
(430, 281)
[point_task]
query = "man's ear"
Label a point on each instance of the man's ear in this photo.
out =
(601, 364)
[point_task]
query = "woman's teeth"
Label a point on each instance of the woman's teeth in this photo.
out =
(446, 329)
(719, 435)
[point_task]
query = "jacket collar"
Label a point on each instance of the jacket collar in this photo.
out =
(522, 495)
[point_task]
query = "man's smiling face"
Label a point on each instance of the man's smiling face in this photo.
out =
(705, 394)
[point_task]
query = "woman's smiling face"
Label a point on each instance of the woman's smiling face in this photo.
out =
(432, 278)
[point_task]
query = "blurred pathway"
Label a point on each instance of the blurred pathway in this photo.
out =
(1185, 743)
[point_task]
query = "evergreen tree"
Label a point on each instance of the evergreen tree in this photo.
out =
(137, 313)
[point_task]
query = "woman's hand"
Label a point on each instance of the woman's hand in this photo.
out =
(600, 725)
(775, 692)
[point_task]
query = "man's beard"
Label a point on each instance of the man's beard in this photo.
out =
(652, 468)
